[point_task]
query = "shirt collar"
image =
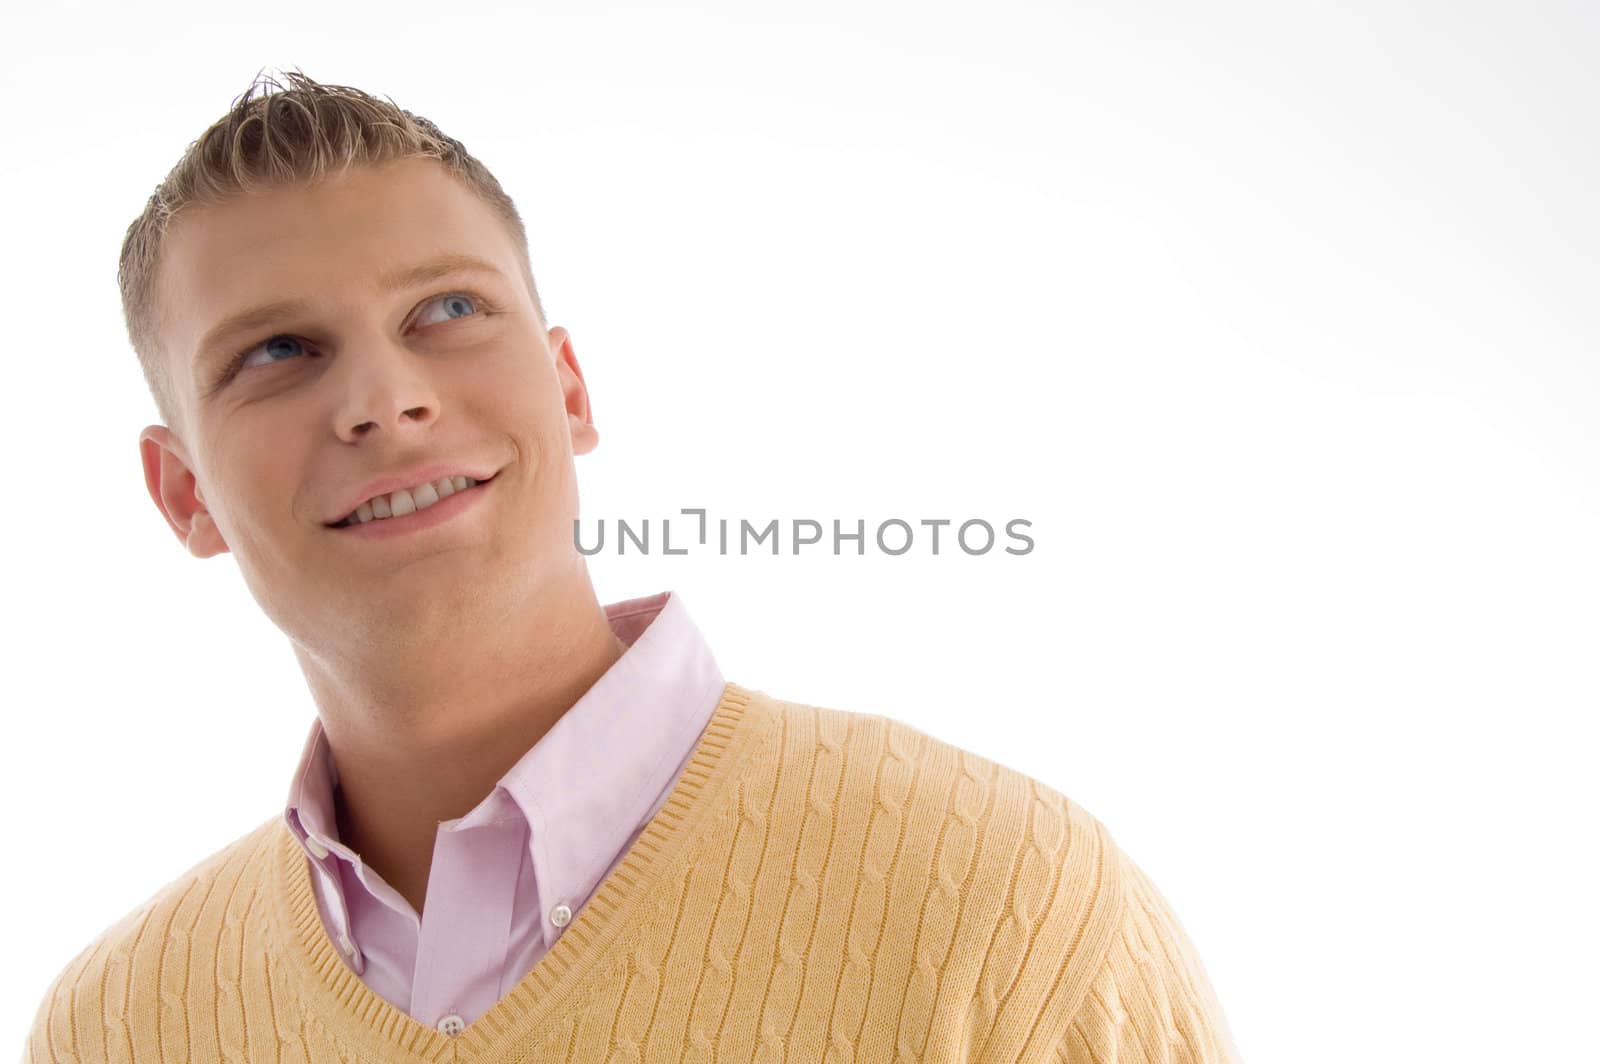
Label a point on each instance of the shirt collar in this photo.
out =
(632, 728)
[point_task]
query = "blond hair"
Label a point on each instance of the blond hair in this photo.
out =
(298, 134)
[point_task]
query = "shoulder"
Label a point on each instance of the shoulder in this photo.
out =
(1030, 883)
(1083, 958)
(89, 1004)
(1150, 997)
(900, 767)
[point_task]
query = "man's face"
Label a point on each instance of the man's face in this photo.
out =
(362, 381)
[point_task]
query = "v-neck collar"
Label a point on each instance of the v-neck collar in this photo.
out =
(364, 1021)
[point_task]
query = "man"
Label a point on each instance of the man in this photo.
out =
(526, 826)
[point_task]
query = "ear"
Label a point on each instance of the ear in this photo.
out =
(172, 485)
(585, 437)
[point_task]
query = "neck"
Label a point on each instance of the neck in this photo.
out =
(424, 737)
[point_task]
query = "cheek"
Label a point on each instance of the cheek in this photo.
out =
(263, 485)
(544, 411)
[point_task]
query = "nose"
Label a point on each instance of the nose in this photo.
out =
(386, 388)
(416, 413)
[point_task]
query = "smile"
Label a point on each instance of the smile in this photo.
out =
(418, 518)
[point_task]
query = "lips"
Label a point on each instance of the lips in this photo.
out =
(349, 520)
(408, 478)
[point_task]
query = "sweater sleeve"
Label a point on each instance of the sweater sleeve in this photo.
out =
(1150, 1002)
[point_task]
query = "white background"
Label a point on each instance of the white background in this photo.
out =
(1276, 320)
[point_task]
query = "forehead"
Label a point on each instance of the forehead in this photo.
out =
(326, 244)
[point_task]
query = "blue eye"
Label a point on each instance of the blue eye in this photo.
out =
(458, 300)
(464, 303)
(244, 361)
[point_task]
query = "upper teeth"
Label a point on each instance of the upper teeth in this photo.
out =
(408, 500)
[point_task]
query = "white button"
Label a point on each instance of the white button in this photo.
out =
(318, 850)
(560, 915)
(452, 1025)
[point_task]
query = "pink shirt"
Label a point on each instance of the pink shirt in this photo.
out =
(510, 875)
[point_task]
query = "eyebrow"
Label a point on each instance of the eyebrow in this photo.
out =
(216, 339)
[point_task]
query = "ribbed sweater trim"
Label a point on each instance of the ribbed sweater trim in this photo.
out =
(357, 1016)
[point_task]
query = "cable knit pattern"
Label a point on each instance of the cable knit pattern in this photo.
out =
(821, 885)
(1150, 1001)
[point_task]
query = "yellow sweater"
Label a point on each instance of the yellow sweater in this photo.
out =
(821, 885)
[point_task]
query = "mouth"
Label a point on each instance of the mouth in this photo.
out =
(352, 520)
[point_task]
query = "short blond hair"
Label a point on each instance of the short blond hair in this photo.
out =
(297, 134)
